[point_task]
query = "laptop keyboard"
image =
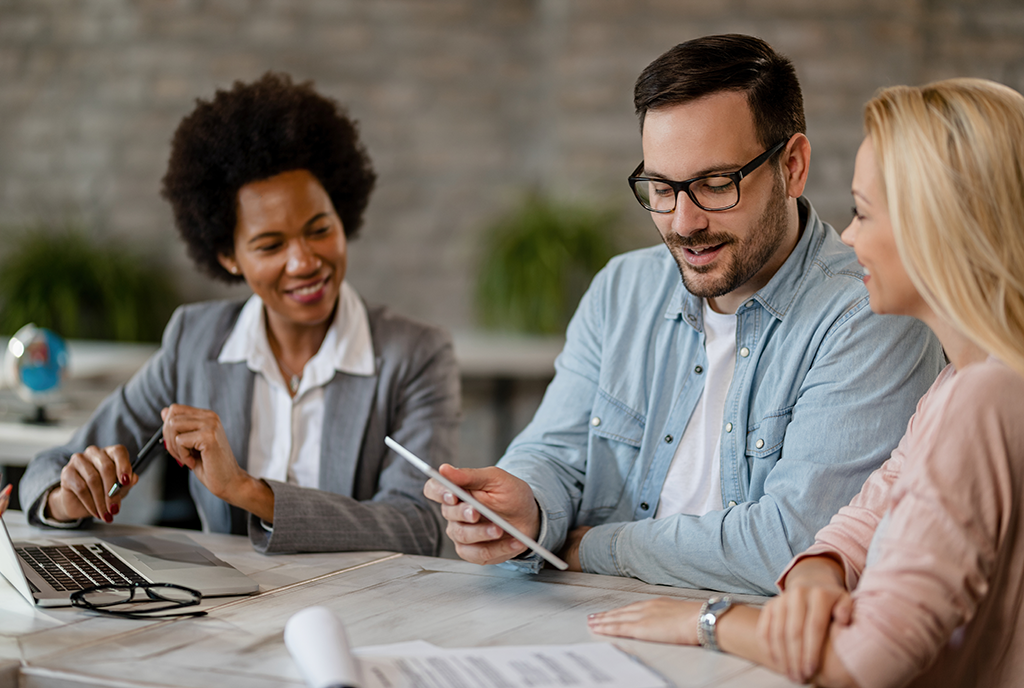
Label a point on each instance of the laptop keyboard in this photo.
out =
(73, 567)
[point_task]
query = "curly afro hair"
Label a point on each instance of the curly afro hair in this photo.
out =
(254, 132)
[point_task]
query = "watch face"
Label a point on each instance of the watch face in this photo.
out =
(717, 605)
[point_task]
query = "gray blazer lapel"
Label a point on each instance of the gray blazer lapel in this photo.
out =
(230, 395)
(348, 402)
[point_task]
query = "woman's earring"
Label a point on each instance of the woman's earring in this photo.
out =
(234, 270)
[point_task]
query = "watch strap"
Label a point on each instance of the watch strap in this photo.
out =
(711, 611)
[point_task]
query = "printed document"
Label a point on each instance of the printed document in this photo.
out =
(419, 664)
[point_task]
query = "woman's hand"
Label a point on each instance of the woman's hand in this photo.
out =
(788, 635)
(85, 481)
(795, 624)
(196, 439)
(661, 620)
(5, 497)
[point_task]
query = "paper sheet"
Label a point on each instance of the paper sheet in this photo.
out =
(510, 666)
(316, 639)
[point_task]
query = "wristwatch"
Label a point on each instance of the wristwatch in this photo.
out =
(710, 613)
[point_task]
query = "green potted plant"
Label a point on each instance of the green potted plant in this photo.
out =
(537, 262)
(62, 279)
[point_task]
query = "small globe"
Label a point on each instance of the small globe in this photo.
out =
(35, 362)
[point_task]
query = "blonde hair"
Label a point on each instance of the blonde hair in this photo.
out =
(951, 158)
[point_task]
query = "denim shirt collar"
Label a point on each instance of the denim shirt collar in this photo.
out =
(777, 296)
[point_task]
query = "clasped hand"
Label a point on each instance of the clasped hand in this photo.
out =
(796, 624)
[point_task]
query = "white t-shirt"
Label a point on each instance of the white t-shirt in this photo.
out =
(693, 484)
(284, 439)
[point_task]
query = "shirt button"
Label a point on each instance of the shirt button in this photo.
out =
(691, 317)
(749, 304)
(732, 503)
(698, 370)
(668, 439)
(759, 444)
(595, 421)
(645, 506)
(744, 352)
(728, 427)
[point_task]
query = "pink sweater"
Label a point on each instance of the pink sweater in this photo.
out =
(933, 546)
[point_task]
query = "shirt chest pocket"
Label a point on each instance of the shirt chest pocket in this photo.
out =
(611, 420)
(616, 434)
(765, 439)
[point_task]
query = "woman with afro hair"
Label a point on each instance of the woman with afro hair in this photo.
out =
(278, 404)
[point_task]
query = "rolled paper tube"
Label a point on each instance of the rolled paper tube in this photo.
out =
(316, 639)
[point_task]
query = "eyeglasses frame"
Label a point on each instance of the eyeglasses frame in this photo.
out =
(152, 591)
(684, 186)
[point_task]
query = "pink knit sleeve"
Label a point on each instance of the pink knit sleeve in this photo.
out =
(932, 564)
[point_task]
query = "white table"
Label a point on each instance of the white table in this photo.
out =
(381, 598)
(29, 638)
(19, 442)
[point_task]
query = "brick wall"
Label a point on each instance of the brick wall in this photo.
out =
(463, 104)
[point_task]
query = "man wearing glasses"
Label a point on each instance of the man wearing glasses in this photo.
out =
(699, 431)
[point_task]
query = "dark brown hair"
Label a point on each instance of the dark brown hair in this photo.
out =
(731, 62)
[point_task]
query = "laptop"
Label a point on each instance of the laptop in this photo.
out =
(47, 572)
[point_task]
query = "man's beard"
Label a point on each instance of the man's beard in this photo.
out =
(748, 257)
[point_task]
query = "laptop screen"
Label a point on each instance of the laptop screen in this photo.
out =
(10, 564)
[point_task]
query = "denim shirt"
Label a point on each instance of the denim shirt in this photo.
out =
(821, 394)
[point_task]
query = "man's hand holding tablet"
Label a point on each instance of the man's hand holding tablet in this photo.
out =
(492, 515)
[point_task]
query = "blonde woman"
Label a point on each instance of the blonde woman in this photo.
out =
(920, 580)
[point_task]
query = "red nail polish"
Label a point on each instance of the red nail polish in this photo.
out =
(124, 479)
(107, 517)
(115, 508)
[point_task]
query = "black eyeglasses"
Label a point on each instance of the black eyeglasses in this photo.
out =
(714, 192)
(121, 600)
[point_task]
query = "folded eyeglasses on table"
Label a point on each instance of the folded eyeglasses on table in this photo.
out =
(138, 600)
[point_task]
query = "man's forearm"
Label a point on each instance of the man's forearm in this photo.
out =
(688, 551)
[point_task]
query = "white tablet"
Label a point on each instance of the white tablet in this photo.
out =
(494, 518)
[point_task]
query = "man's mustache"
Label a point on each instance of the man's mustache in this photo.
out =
(697, 240)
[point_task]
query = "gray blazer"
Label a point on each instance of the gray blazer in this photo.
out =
(369, 497)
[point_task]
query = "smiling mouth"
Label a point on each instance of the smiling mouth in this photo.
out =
(703, 249)
(309, 289)
(702, 258)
